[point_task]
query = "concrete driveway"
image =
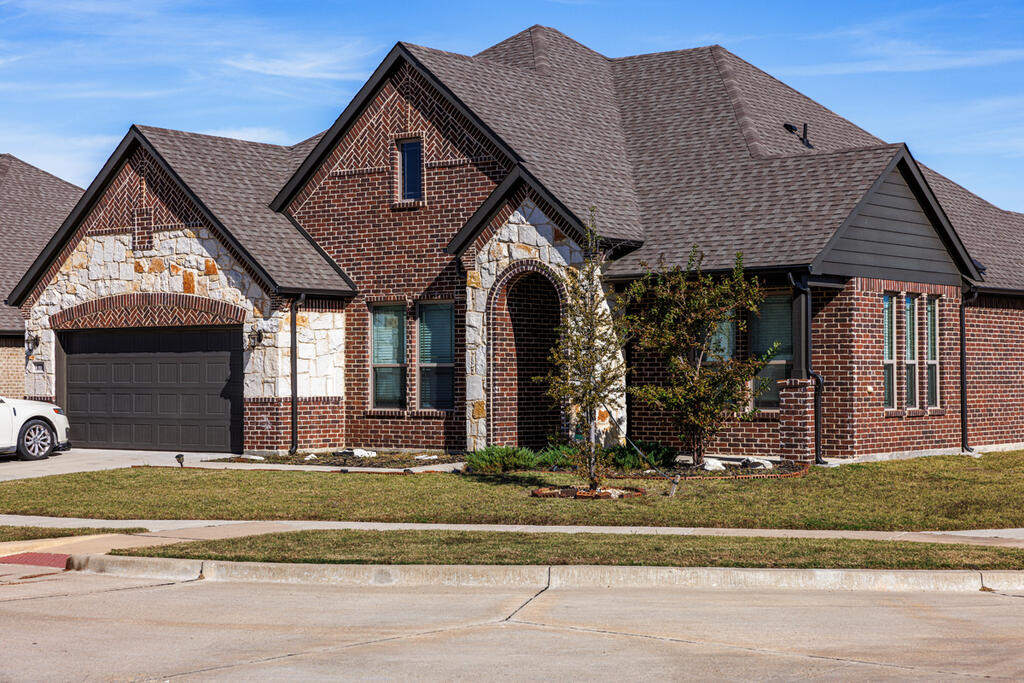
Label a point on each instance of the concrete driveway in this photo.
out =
(74, 626)
(87, 460)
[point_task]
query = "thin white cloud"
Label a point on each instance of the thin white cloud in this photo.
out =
(343, 66)
(910, 61)
(273, 136)
(73, 158)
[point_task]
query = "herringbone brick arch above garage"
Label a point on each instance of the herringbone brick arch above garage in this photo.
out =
(147, 310)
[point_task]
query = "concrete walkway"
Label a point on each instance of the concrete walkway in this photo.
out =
(92, 460)
(168, 531)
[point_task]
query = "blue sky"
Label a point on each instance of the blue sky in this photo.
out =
(948, 79)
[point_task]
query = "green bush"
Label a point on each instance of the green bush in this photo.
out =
(556, 455)
(625, 458)
(497, 459)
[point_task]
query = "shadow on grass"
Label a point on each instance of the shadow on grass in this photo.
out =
(527, 479)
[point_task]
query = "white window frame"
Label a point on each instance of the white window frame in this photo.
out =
(932, 303)
(912, 351)
(420, 364)
(889, 354)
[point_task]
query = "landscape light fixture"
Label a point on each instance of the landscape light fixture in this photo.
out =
(181, 459)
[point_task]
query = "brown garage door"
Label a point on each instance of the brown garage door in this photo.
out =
(155, 389)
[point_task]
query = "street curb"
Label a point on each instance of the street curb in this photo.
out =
(560, 576)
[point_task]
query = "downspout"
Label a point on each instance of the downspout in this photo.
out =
(819, 381)
(301, 299)
(965, 298)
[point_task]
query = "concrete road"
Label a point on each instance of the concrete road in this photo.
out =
(73, 626)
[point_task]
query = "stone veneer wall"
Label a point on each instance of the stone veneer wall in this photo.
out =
(526, 236)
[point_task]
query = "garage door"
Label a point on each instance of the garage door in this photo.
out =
(155, 389)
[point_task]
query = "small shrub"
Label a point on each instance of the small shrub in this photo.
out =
(558, 455)
(625, 458)
(498, 459)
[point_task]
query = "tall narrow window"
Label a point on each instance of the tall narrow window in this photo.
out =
(774, 323)
(388, 357)
(911, 359)
(932, 357)
(437, 356)
(889, 350)
(411, 169)
(722, 343)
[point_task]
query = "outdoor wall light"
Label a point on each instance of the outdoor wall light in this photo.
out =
(255, 338)
(32, 342)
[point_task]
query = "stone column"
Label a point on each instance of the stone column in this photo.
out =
(796, 420)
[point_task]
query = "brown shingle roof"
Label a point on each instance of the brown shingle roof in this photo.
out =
(33, 204)
(236, 180)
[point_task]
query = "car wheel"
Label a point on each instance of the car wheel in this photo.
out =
(35, 441)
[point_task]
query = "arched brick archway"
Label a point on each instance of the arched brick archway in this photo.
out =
(524, 310)
(147, 310)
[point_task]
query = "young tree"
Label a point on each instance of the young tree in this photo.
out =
(689, 318)
(587, 372)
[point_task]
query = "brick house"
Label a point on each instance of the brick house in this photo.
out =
(32, 204)
(393, 281)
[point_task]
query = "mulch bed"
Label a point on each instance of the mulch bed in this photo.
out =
(580, 493)
(383, 459)
(782, 470)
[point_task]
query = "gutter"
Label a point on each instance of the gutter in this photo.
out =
(819, 381)
(965, 298)
(298, 301)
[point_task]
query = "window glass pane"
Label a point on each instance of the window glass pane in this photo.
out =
(437, 331)
(768, 378)
(933, 330)
(389, 387)
(723, 341)
(912, 385)
(890, 388)
(412, 171)
(911, 325)
(887, 321)
(437, 388)
(774, 323)
(388, 335)
(933, 386)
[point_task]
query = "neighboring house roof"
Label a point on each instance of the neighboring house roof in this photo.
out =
(233, 182)
(33, 204)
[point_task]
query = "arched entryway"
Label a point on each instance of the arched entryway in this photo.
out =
(525, 313)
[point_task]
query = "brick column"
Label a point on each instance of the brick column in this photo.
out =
(796, 420)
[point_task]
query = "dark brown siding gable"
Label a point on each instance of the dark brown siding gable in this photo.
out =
(890, 236)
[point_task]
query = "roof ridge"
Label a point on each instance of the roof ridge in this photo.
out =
(34, 168)
(835, 152)
(663, 52)
(720, 49)
(216, 137)
(745, 122)
(6, 167)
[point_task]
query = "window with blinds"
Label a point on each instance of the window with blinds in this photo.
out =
(774, 323)
(388, 357)
(437, 356)
(889, 351)
(932, 353)
(910, 361)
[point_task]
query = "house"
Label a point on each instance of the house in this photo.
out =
(32, 204)
(393, 281)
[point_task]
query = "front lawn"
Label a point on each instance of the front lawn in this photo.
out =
(465, 547)
(29, 533)
(950, 492)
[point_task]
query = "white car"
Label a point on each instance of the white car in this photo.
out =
(32, 429)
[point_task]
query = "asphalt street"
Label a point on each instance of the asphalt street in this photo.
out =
(77, 626)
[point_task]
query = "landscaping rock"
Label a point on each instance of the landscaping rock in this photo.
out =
(252, 457)
(356, 453)
(713, 465)
(757, 463)
(310, 457)
(426, 457)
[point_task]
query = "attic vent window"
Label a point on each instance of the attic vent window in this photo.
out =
(803, 138)
(410, 167)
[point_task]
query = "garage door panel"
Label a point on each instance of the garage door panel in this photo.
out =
(155, 389)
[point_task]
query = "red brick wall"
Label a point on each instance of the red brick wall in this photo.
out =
(268, 423)
(524, 319)
(995, 370)
(395, 251)
(12, 366)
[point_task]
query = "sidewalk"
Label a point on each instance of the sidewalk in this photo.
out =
(166, 531)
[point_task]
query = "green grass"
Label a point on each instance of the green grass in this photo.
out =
(28, 533)
(465, 547)
(951, 492)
